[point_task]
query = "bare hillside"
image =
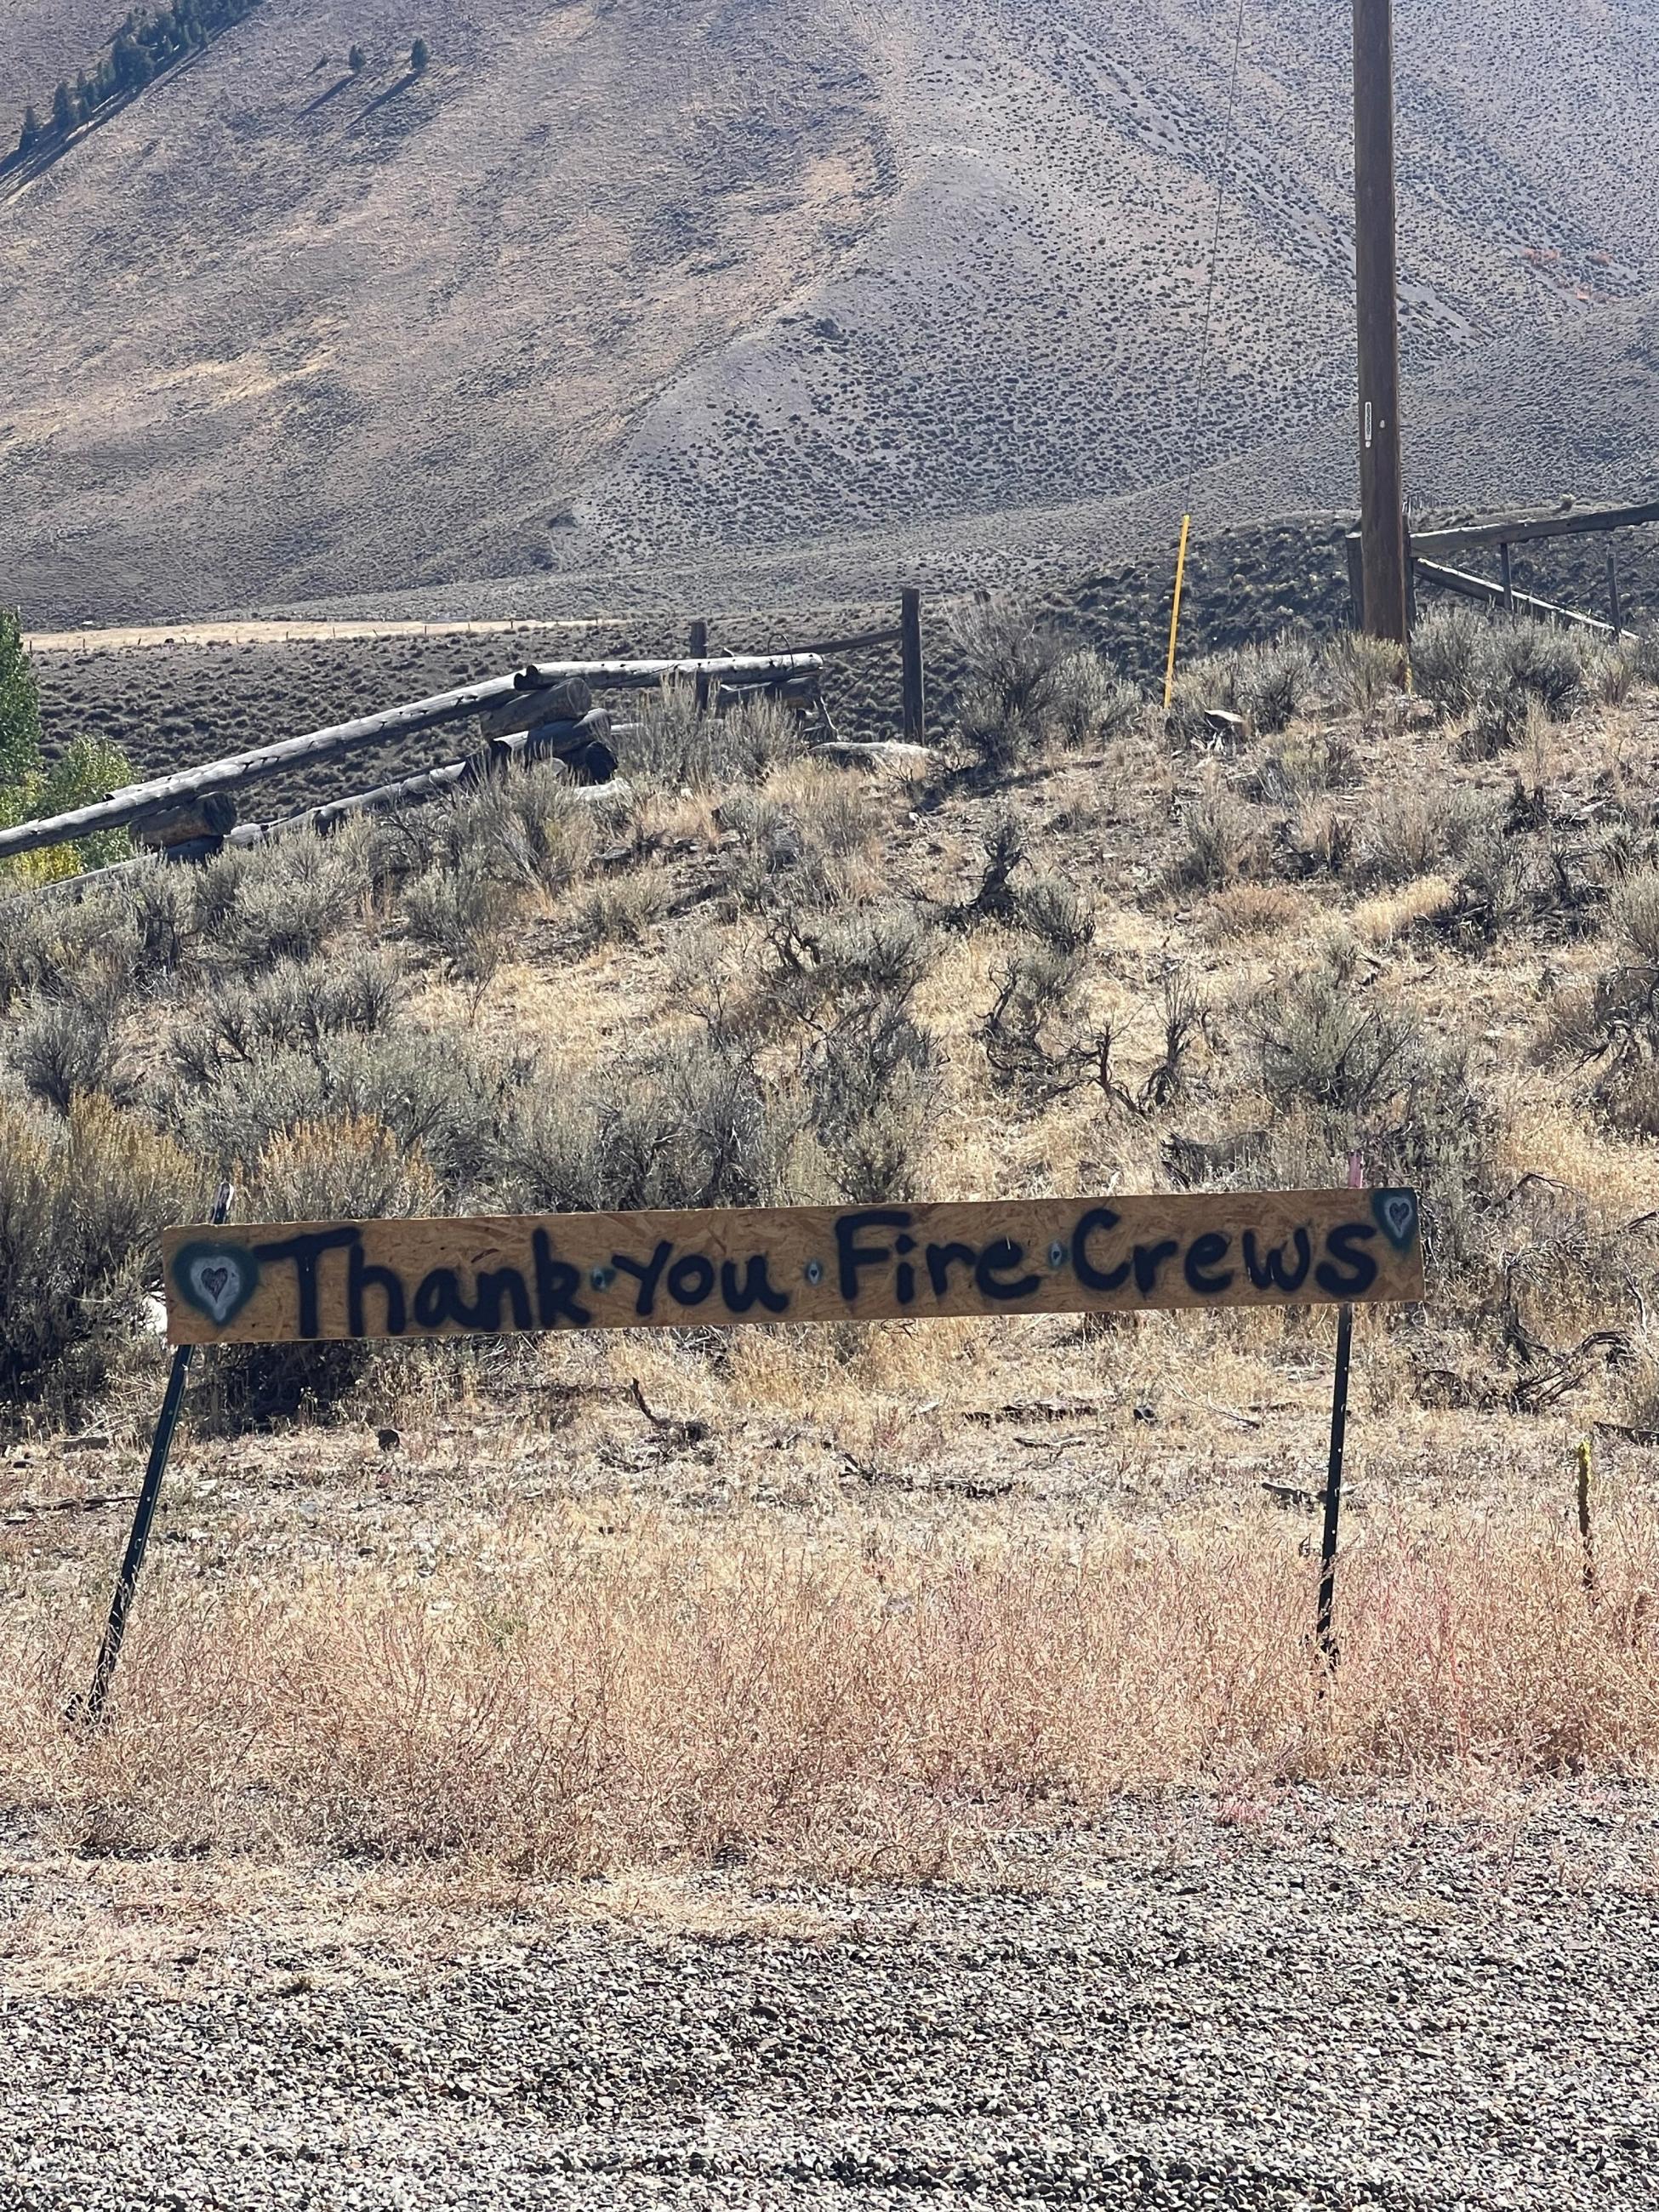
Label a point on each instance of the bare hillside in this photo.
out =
(792, 286)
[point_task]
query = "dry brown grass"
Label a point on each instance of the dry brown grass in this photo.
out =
(559, 1694)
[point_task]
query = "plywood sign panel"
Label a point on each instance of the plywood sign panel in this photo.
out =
(296, 1282)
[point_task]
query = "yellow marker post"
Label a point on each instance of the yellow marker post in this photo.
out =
(1174, 612)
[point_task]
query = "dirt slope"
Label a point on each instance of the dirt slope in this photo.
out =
(620, 286)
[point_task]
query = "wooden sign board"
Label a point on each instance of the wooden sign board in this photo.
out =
(326, 1281)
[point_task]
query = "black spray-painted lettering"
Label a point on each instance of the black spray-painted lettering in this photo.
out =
(690, 1279)
(305, 1252)
(1271, 1272)
(556, 1284)
(1350, 1272)
(363, 1275)
(1100, 1220)
(941, 1258)
(1204, 1254)
(1001, 1258)
(647, 1273)
(854, 1256)
(1148, 1259)
(754, 1290)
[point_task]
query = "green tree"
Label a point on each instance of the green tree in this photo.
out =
(356, 61)
(63, 108)
(32, 132)
(419, 55)
(20, 707)
(89, 769)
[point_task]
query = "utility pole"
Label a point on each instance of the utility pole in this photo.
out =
(1381, 491)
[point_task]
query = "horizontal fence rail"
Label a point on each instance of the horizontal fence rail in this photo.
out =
(124, 809)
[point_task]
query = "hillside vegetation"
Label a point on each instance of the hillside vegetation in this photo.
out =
(929, 1577)
(790, 295)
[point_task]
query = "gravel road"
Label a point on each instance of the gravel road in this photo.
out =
(1304, 2004)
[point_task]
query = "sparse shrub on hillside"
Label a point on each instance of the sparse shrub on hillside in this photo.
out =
(673, 747)
(1611, 670)
(1345, 1069)
(1420, 829)
(1217, 834)
(1091, 703)
(1010, 683)
(438, 1092)
(1446, 652)
(66, 1046)
(1272, 684)
(1633, 910)
(523, 828)
(1056, 914)
(298, 1004)
(621, 909)
(684, 1123)
(1533, 659)
(49, 946)
(464, 914)
(1296, 764)
(1363, 671)
(286, 899)
(869, 1070)
(83, 1200)
(801, 845)
(1208, 686)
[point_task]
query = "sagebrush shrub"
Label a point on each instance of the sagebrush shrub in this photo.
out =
(66, 1046)
(464, 914)
(438, 1092)
(1363, 671)
(1010, 678)
(82, 1201)
(287, 898)
(1446, 651)
(674, 747)
(1218, 833)
(685, 1123)
(1272, 684)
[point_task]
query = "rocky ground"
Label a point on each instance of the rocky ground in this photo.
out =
(1286, 2002)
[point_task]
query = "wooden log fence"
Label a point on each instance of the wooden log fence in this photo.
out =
(542, 710)
(1505, 533)
(122, 809)
(1490, 594)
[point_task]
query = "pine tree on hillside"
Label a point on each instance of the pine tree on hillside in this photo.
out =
(63, 108)
(419, 55)
(32, 132)
(356, 61)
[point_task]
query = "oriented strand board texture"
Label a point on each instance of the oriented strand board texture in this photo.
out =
(329, 1280)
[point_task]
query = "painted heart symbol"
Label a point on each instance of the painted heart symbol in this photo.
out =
(1396, 1214)
(217, 1279)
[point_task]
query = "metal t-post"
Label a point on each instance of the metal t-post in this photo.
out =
(1324, 1628)
(121, 1604)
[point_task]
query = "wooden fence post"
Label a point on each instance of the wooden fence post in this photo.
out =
(915, 701)
(1507, 565)
(699, 651)
(1615, 612)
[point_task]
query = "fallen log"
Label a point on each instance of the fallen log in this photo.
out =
(211, 816)
(566, 701)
